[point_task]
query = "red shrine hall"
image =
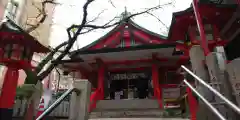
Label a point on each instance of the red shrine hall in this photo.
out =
(131, 62)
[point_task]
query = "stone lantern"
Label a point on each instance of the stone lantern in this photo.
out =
(16, 50)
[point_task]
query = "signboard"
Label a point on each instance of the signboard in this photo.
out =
(171, 93)
(128, 76)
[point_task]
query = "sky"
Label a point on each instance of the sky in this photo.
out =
(70, 12)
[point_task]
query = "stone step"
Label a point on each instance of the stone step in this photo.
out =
(137, 108)
(150, 113)
(127, 119)
(127, 113)
(128, 104)
(138, 119)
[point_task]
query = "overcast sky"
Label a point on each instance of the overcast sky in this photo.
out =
(70, 12)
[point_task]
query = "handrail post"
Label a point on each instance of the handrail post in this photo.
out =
(79, 105)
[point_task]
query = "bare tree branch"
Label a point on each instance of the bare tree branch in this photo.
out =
(159, 20)
(71, 41)
(107, 25)
(111, 3)
(97, 17)
(89, 27)
(49, 57)
(41, 17)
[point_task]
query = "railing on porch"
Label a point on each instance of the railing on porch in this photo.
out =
(212, 108)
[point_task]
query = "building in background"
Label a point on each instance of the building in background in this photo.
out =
(3, 5)
(25, 13)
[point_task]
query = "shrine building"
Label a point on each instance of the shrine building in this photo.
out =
(131, 62)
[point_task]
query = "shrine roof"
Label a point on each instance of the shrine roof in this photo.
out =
(178, 28)
(120, 27)
(218, 14)
(12, 33)
(133, 48)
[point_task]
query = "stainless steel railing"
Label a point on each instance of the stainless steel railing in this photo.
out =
(228, 102)
(57, 102)
(221, 117)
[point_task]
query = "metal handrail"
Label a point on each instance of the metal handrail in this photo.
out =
(228, 102)
(205, 101)
(57, 102)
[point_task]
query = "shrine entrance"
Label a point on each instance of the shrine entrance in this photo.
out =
(129, 85)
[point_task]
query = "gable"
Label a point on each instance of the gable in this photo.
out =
(127, 34)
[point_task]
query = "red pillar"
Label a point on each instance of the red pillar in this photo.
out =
(192, 104)
(101, 74)
(204, 43)
(156, 86)
(8, 93)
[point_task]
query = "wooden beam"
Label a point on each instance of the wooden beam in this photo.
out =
(137, 61)
(129, 69)
(165, 68)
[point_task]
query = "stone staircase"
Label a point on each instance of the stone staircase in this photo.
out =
(126, 109)
(138, 119)
(137, 109)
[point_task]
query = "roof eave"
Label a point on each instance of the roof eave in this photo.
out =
(105, 50)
